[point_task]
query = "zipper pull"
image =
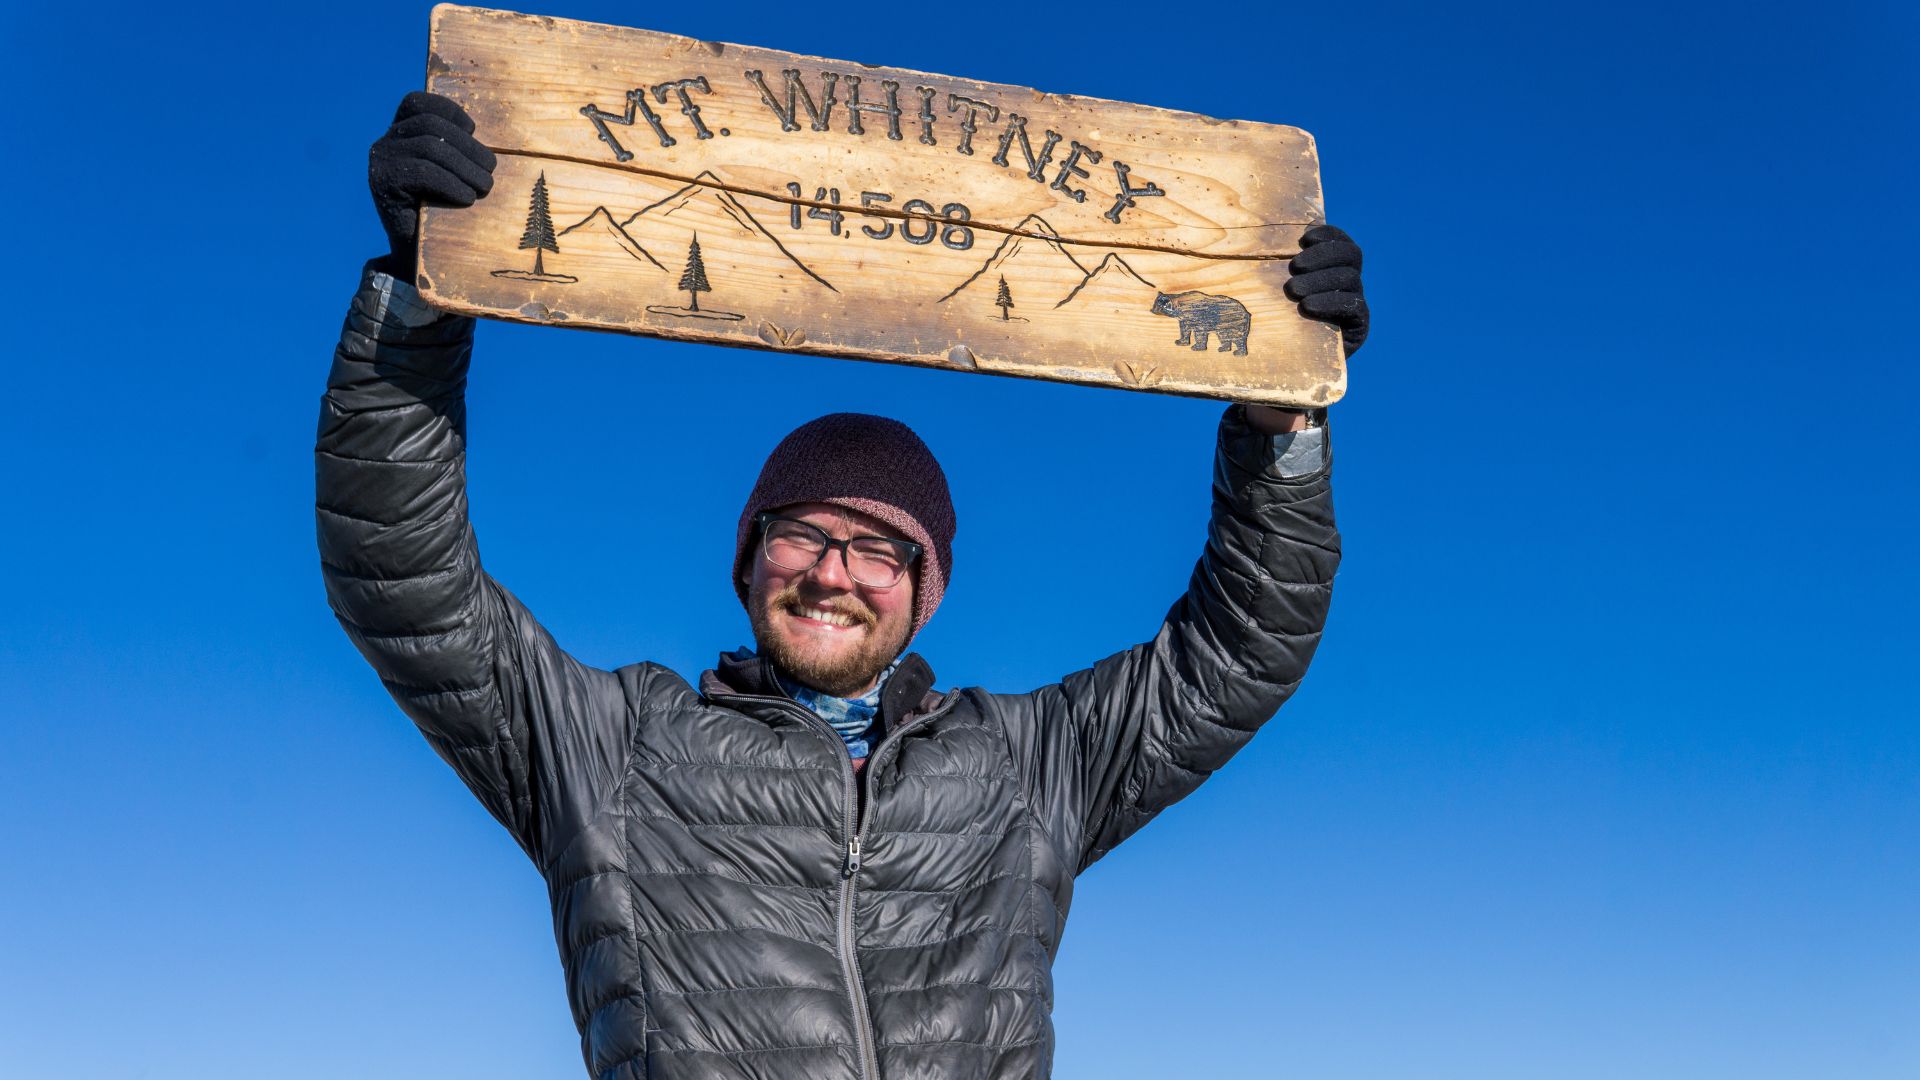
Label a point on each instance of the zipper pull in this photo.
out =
(853, 857)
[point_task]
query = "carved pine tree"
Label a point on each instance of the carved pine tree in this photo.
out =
(694, 280)
(539, 235)
(1004, 300)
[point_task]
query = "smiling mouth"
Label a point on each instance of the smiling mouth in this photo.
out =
(824, 618)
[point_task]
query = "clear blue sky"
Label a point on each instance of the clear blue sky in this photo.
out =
(1609, 765)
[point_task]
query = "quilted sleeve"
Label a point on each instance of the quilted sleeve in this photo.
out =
(535, 734)
(1109, 747)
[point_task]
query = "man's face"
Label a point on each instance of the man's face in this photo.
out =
(783, 606)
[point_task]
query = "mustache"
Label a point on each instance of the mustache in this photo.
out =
(851, 607)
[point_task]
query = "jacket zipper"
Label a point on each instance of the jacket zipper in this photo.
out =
(855, 826)
(850, 964)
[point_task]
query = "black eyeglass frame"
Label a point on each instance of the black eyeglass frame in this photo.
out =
(765, 517)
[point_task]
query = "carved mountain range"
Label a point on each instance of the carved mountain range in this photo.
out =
(724, 224)
(1115, 284)
(1041, 274)
(728, 232)
(598, 232)
(1037, 267)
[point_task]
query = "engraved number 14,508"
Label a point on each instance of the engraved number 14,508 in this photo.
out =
(920, 228)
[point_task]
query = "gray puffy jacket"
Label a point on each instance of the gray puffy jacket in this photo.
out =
(727, 901)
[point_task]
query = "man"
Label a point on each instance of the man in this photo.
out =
(811, 864)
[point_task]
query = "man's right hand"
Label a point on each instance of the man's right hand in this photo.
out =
(428, 156)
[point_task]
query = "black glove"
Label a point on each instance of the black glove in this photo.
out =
(1326, 283)
(428, 156)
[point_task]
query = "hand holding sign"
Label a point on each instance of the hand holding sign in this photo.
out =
(1326, 282)
(429, 156)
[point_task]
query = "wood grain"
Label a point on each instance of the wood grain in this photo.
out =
(846, 242)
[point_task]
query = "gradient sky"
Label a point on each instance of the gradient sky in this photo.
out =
(1606, 769)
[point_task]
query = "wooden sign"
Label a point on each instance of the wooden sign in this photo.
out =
(660, 185)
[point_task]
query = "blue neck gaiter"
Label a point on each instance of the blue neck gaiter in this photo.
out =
(852, 718)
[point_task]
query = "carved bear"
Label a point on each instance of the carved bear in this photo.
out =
(1203, 313)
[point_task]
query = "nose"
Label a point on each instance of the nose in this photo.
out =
(832, 571)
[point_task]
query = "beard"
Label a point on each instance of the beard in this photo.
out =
(842, 672)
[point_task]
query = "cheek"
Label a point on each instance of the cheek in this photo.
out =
(894, 606)
(764, 583)
(761, 590)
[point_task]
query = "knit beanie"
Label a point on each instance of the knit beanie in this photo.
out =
(866, 463)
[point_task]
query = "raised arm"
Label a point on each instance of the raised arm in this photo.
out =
(535, 734)
(1109, 747)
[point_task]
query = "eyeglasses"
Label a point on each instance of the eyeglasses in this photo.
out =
(878, 562)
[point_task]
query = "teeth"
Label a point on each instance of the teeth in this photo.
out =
(825, 616)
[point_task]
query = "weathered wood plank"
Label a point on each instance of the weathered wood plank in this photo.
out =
(846, 242)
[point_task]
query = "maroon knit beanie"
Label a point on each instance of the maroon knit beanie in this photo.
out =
(866, 463)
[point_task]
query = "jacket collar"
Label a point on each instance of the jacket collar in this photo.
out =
(907, 694)
(740, 672)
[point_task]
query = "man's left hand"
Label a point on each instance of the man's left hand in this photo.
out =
(1326, 283)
